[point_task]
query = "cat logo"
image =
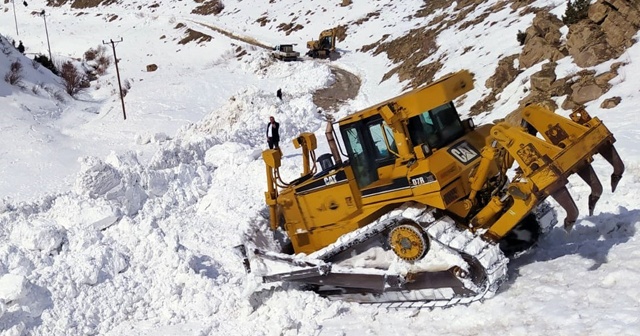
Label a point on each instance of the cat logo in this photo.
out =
(464, 152)
(330, 180)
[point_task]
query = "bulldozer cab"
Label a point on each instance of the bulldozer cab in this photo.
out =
(371, 143)
(436, 128)
(326, 42)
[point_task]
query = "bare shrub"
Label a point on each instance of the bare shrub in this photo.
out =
(94, 53)
(36, 89)
(14, 76)
(92, 73)
(521, 37)
(103, 63)
(99, 56)
(46, 62)
(59, 96)
(74, 80)
(126, 86)
(90, 54)
(6, 49)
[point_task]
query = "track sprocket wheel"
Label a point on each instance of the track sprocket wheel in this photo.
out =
(408, 242)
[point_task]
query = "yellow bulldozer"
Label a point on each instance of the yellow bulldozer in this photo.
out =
(324, 45)
(426, 209)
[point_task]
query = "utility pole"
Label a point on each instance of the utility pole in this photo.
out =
(44, 17)
(15, 18)
(113, 45)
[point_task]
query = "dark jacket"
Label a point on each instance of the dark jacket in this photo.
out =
(275, 133)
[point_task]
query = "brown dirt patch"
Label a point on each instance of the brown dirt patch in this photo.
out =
(367, 18)
(194, 35)
(54, 3)
(408, 51)
(341, 32)
(263, 20)
(412, 49)
(290, 27)
(77, 4)
(211, 7)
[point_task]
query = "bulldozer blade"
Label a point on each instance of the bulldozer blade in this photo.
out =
(298, 275)
(611, 155)
(380, 283)
(589, 175)
(565, 200)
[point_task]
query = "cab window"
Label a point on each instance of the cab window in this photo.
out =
(437, 127)
(363, 165)
(383, 140)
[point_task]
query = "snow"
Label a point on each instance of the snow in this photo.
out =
(127, 227)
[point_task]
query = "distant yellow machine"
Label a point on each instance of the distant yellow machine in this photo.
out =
(423, 212)
(324, 45)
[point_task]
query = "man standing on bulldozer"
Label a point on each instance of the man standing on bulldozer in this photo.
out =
(273, 135)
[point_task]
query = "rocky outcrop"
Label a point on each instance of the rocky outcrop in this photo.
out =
(505, 73)
(544, 79)
(543, 84)
(584, 90)
(579, 88)
(542, 41)
(606, 34)
(588, 87)
(611, 102)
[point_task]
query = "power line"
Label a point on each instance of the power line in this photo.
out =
(44, 17)
(113, 45)
(14, 16)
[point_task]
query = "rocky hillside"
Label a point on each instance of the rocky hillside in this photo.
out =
(596, 34)
(604, 34)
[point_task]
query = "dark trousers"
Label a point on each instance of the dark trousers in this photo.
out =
(272, 144)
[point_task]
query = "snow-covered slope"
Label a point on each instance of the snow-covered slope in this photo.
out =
(126, 227)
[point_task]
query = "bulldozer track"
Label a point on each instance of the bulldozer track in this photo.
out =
(486, 264)
(444, 231)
